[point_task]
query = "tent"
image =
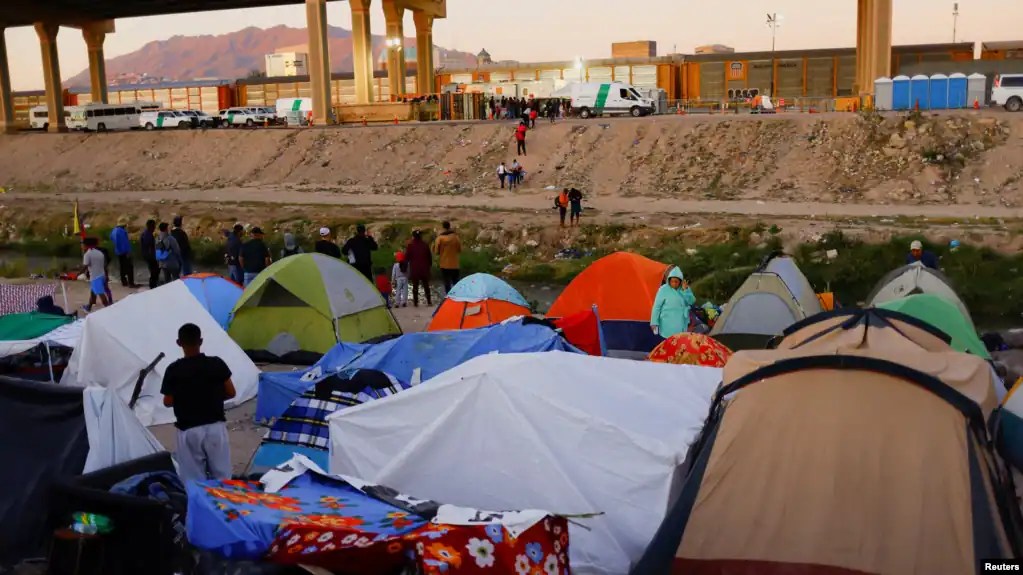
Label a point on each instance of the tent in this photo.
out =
(428, 353)
(478, 300)
(943, 315)
(120, 341)
(31, 325)
(309, 302)
(570, 433)
(774, 297)
(691, 349)
(913, 279)
(860, 445)
(52, 433)
(622, 286)
(216, 293)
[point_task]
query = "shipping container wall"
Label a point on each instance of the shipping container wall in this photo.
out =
(820, 77)
(712, 81)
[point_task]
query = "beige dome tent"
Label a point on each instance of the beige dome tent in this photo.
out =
(859, 446)
(774, 297)
(913, 279)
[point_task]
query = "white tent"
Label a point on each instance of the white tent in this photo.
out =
(916, 278)
(570, 433)
(120, 341)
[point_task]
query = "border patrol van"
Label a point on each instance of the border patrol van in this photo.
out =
(607, 99)
(1008, 92)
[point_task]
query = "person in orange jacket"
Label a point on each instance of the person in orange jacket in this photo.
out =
(561, 202)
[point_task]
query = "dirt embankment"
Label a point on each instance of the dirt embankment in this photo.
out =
(969, 158)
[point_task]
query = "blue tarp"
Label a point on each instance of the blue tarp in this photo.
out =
(216, 294)
(432, 352)
(479, 287)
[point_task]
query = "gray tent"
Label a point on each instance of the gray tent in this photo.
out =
(913, 279)
(774, 297)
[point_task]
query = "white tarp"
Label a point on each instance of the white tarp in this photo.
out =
(119, 341)
(64, 336)
(115, 434)
(570, 433)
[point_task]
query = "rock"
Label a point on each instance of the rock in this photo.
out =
(909, 125)
(532, 243)
(987, 121)
(512, 249)
(891, 152)
(896, 141)
(755, 238)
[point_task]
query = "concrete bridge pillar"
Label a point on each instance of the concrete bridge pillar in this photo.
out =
(873, 43)
(47, 33)
(394, 14)
(6, 98)
(319, 61)
(425, 77)
(362, 51)
(95, 34)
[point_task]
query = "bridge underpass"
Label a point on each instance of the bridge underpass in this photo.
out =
(95, 19)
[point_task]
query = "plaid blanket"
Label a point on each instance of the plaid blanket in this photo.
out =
(22, 298)
(305, 421)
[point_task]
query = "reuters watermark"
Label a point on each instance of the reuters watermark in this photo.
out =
(1000, 565)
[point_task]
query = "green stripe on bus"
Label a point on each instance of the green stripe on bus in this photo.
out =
(605, 89)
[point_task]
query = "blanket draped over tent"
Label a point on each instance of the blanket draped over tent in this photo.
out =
(430, 353)
(333, 523)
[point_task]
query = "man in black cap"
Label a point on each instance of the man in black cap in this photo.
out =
(359, 251)
(186, 248)
(254, 256)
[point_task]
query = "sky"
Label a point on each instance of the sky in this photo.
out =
(565, 29)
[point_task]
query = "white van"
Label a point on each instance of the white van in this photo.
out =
(295, 111)
(607, 99)
(1008, 92)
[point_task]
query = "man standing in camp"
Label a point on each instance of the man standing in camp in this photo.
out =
(184, 245)
(147, 243)
(168, 254)
(254, 257)
(232, 251)
(326, 246)
(359, 251)
(94, 264)
(122, 249)
(420, 263)
(449, 251)
(197, 386)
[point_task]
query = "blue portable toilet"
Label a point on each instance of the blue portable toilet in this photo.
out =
(939, 92)
(900, 93)
(920, 92)
(957, 89)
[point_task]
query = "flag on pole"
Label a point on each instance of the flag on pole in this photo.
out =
(76, 223)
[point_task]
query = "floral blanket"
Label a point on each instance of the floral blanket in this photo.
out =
(327, 522)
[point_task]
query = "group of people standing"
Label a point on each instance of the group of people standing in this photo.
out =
(528, 110)
(413, 267)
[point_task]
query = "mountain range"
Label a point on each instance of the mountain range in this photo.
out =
(237, 54)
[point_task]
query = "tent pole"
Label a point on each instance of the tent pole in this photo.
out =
(63, 291)
(49, 360)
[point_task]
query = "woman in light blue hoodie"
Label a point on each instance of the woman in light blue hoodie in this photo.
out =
(670, 315)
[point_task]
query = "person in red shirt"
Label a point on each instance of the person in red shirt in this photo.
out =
(520, 137)
(532, 117)
(384, 285)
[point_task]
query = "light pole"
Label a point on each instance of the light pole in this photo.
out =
(579, 67)
(955, 21)
(773, 22)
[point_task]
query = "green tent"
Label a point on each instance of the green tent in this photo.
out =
(22, 326)
(309, 302)
(943, 315)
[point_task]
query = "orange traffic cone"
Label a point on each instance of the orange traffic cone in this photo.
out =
(976, 104)
(364, 122)
(395, 119)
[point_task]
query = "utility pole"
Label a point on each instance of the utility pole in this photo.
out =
(955, 21)
(773, 22)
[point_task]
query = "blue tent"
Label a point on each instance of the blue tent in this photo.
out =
(431, 352)
(217, 294)
(479, 287)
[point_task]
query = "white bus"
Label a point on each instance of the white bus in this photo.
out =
(39, 117)
(108, 117)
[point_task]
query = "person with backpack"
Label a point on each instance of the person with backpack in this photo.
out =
(168, 254)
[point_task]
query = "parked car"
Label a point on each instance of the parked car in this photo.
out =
(270, 114)
(1008, 92)
(243, 117)
(156, 120)
(203, 120)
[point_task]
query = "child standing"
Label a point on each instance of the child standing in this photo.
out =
(384, 285)
(399, 279)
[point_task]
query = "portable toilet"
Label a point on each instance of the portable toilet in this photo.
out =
(939, 92)
(900, 93)
(883, 94)
(976, 90)
(920, 92)
(957, 91)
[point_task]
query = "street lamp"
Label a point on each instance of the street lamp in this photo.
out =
(773, 22)
(579, 67)
(394, 43)
(955, 21)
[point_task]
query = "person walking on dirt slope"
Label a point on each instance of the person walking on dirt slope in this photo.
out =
(359, 250)
(449, 250)
(520, 138)
(420, 262)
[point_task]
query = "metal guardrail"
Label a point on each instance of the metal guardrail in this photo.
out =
(806, 105)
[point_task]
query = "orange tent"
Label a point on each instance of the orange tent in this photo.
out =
(478, 301)
(622, 286)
